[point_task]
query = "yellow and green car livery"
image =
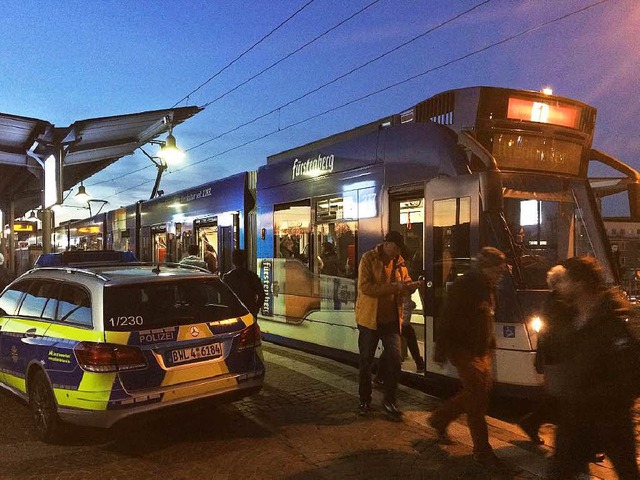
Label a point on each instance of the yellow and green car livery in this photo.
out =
(92, 345)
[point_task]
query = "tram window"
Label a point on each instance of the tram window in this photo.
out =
(336, 247)
(407, 217)
(451, 244)
(451, 241)
(292, 231)
(547, 227)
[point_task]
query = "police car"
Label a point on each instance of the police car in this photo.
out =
(91, 343)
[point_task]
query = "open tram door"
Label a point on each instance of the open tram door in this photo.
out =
(451, 239)
(158, 235)
(222, 233)
(206, 230)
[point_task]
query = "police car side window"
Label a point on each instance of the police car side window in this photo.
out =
(38, 297)
(52, 301)
(11, 298)
(74, 305)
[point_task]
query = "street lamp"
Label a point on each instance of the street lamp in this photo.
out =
(169, 154)
(82, 196)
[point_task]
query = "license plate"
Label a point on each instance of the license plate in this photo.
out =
(191, 354)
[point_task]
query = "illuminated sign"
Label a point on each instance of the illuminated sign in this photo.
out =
(89, 230)
(22, 226)
(542, 112)
(312, 167)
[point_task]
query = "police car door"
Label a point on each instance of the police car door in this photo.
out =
(22, 334)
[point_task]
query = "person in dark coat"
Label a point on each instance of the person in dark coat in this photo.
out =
(598, 375)
(552, 350)
(245, 283)
(465, 338)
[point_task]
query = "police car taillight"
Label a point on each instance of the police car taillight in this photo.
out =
(108, 357)
(250, 337)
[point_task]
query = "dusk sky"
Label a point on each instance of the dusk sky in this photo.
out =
(64, 61)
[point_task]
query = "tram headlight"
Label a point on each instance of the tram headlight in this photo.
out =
(536, 323)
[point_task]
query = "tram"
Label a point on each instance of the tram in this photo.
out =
(467, 168)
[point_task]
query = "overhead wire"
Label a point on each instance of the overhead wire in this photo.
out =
(244, 52)
(320, 87)
(390, 86)
(313, 40)
(344, 75)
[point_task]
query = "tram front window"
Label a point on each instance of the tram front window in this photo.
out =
(550, 220)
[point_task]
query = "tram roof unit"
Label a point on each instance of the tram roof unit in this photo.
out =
(464, 111)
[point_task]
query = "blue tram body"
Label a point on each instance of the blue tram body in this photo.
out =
(463, 169)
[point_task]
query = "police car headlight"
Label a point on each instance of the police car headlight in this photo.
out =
(536, 323)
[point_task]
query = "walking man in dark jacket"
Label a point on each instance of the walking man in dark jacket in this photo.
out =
(466, 339)
(245, 283)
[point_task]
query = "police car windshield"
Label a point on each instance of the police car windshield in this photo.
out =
(166, 304)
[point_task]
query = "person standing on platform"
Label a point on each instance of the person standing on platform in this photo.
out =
(245, 283)
(5, 276)
(193, 259)
(383, 280)
(465, 338)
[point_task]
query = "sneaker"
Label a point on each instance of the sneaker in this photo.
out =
(420, 368)
(364, 409)
(392, 410)
(531, 432)
(491, 462)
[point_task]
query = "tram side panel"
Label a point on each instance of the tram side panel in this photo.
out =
(211, 214)
(308, 247)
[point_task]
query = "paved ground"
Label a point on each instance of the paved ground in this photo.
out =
(301, 426)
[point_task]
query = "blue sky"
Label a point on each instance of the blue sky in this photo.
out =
(64, 61)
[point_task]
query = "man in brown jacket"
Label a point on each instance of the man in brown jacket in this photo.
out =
(466, 339)
(382, 281)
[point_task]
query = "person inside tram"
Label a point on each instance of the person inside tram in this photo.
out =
(330, 261)
(286, 247)
(193, 258)
(211, 258)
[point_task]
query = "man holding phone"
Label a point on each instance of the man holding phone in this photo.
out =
(383, 280)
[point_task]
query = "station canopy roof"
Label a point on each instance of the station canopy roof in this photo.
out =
(90, 146)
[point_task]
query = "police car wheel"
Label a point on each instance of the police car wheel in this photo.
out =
(43, 408)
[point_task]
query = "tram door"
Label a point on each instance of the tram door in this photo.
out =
(159, 243)
(406, 215)
(452, 210)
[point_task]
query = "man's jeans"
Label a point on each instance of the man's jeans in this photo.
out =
(367, 344)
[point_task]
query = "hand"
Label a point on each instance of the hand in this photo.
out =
(411, 286)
